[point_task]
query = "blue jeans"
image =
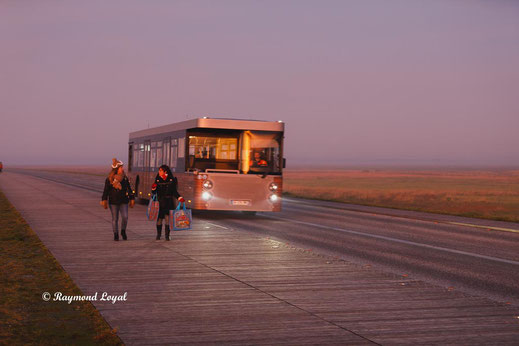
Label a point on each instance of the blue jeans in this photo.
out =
(116, 209)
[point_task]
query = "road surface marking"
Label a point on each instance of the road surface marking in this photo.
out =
(485, 227)
(407, 217)
(459, 252)
(210, 223)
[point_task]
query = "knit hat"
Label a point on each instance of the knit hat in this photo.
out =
(116, 163)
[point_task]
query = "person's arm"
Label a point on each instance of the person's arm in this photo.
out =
(129, 191)
(131, 195)
(106, 190)
(104, 198)
(174, 190)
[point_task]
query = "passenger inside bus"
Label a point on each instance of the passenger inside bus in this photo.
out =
(259, 160)
(200, 153)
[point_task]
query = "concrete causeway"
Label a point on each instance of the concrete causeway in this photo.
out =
(214, 284)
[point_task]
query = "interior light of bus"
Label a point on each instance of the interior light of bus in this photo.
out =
(208, 184)
(245, 139)
(273, 198)
(273, 187)
(280, 121)
(206, 196)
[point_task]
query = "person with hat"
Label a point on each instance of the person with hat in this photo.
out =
(118, 194)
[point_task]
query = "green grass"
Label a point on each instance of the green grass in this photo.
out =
(480, 194)
(29, 269)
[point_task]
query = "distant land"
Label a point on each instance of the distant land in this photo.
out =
(490, 192)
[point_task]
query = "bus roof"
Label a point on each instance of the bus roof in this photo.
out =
(212, 123)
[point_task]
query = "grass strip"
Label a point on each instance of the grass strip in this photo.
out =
(28, 269)
(485, 195)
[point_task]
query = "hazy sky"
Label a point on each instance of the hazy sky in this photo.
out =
(355, 81)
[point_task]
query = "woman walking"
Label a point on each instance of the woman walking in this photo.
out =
(165, 187)
(118, 194)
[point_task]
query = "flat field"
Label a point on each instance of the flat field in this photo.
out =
(484, 193)
(489, 194)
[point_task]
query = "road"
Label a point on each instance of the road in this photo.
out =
(477, 257)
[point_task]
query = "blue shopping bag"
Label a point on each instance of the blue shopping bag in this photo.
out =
(180, 219)
(153, 208)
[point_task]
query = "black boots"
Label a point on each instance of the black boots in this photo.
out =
(159, 231)
(123, 234)
(167, 232)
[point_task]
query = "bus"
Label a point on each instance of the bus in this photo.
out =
(220, 164)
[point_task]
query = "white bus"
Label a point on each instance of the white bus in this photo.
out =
(220, 164)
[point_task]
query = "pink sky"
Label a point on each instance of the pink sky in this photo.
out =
(357, 82)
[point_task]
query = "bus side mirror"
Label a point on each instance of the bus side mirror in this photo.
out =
(284, 163)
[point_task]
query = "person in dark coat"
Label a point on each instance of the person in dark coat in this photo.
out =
(165, 188)
(118, 194)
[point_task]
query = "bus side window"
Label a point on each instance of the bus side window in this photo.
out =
(173, 155)
(166, 148)
(181, 148)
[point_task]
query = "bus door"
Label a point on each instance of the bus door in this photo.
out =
(130, 157)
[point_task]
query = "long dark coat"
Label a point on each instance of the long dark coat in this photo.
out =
(167, 194)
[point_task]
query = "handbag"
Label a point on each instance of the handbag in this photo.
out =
(153, 208)
(180, 219)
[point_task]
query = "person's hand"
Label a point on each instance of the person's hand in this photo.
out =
(181, 199)
(132, 203)
(104, 204)
(154, 186)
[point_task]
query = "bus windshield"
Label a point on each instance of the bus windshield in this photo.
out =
(249, 152)
(213, 151)
(264, 152)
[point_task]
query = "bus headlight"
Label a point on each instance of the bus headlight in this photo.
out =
(206, 195)
(273, 187)
(273, 198)
(208, 184)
